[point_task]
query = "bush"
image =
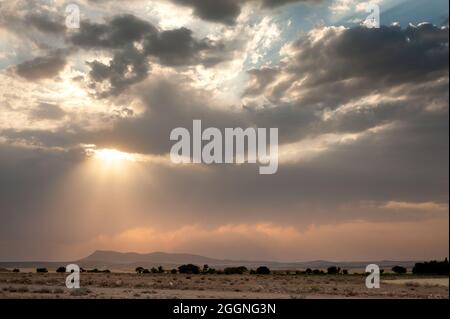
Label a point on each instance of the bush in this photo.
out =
(333, 270)
(139, 270)
(345, 272)
(41, 270)
(399, 270)
(189, 269)
(433, 267)
(16, 270)
(145, 271)
(263, 270)
(61, 269)
(235, 270)
(308, 271)
(160, 269)
(318, 272)
(174, 271)
(95, 270)
(211, 271)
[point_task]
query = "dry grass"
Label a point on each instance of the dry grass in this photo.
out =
(129, 285)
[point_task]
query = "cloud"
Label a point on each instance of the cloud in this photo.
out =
(223, 11)
(426, 206)
(227, 11)
(136, 43)
(44, 22)
(328, 61)
(119, 31)
(362, 116)
(277, 242)
(47, 111)
(42, 67)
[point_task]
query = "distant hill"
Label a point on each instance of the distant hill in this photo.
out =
(118, 258)
(129, 260)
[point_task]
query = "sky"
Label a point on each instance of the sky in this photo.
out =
(362, 113)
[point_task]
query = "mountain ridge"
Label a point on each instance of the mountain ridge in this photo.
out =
(111, 257)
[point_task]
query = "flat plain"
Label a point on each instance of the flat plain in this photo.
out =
(131, 285)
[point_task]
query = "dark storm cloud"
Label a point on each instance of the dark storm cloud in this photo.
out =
(276, 3)
(226, 11)
(223, 11)
(119, 31)
(410, 66)
(44, 22)
(179, 47)
(388, 54)
(359, 61)
(129, 65)
(42, 67)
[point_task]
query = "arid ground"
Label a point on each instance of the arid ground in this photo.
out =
(130, 285)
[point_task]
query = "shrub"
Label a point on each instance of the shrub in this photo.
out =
(173, 271)
(235, 270)
(433, 267)
(345, 272)
(189, 269)
(399, 270)
(318, 272)
(333, 270)
(95, 270)
(41, 270)
(16, 270)
(146, 271)
(309, 271)
(160, 269)
(211, 271)
(61, 269)
(263, 270)
(139, 270)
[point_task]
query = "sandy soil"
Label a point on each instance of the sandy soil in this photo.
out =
(420, 282)
(123, 285)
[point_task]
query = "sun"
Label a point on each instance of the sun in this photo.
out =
(112, 155)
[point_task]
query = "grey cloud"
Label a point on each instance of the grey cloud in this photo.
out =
(408, 161)
(119, 31)
(44, 22)
(42, 67)
(179, 47)
(127, 67)
(379, 57)
(345, 65)
(47, 111)
(226, 11)
(176, 47)
(261, 79)
(223, 11)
